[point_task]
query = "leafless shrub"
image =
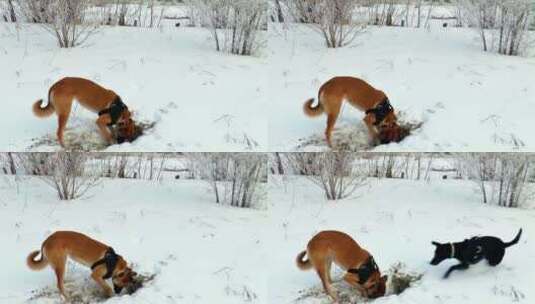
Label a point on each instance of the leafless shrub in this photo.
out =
(413, 166)
(277, 165)
(7, 11)
(383, 12)
(142, 13)
(333, 172)
(66, 172)
(67, 20)
(333, 19)
(277, 14)
(502, 24)
(7, 163)
(235, 25)
(116, 11)
(146, 166)
(501, 177)
(234, 178)
(387, 166)
(149, 166)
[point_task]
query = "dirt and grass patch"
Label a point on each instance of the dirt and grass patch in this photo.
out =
(353, 137)
(83, 290)
(86, 137)
(399, 279)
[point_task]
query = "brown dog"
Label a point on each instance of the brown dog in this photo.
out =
(104, 262)
(109, 106)
(362, 273)
(379, 113)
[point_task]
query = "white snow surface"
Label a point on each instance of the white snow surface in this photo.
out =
(396, 220)
(200, 99)
(467, 99)
(199, 251)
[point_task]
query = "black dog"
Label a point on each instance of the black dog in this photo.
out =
(471, 251)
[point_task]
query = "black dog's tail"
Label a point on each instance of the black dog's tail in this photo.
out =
(515, 240)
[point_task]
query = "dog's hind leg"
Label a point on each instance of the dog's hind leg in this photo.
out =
(496, 257)
(461, 266)
(63, 106)
(62, 122)
(58, 264)
(331, 120)
(324, 275)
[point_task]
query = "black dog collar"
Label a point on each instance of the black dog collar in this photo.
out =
(381, 111)
(365, 270)
(110, 259)
(117, 107)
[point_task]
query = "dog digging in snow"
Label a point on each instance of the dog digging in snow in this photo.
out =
(109, 106)
(329, 247)
(104, 262)
(380, 118)
(472, 251)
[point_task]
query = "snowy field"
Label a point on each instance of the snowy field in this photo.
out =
(199, 99)
(198, 251)
(468, 100)
(396, 220)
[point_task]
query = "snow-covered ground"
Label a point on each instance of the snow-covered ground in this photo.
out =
(200, 99)
(199, 251)
(396, 220)
(468, 100)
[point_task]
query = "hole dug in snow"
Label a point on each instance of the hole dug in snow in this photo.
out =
(399, 279)
(86, 137)
(84, 290)
(354, 137)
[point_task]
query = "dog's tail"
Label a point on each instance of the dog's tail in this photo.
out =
(303, 264)
(34, 264)
(515, 240)
(311, 111)
(41, 112)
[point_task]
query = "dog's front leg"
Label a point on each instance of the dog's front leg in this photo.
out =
(102, 123)
(461, 266)
(100, 281)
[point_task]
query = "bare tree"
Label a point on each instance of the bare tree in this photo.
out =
(398, 165)
(384, 12)
(8, 11)
(67, 20)
(278, 10)
(235, 25)
(234, 178)
(116, 13)
(333, 172)
(502, 24)
(8, 163)
(333, 19)
(501, 177)
(148, 166)
(276, 164)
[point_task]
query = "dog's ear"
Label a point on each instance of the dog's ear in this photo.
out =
(435, 243)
